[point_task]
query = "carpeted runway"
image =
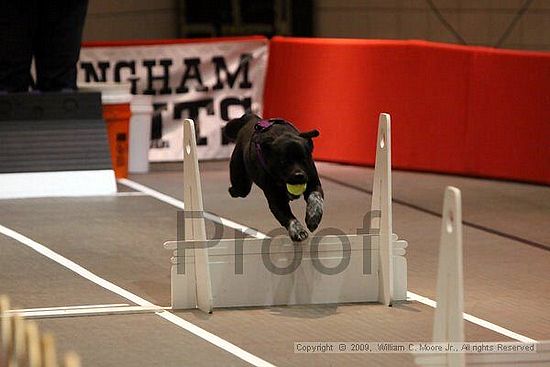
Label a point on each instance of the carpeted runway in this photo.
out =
(112, 254)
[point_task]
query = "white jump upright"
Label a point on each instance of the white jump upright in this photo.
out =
(381, 203)
(448, 322)
(195, 229)
(449, 314)
(264, 271)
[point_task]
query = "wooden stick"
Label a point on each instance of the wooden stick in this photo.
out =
(71, 360)
(49, 355)
(17, 348)
(5, 330)
(32, 336)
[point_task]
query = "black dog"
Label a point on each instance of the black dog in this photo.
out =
(274, 154)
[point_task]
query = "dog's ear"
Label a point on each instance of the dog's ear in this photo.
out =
(310, 134)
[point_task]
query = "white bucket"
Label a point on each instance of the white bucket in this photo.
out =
(140, 133)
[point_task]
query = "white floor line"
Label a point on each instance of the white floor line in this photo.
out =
(410, 295)
(179, 204)
(38, 309)
(131, 193)
(85, 311)
(194, 329)
(475, 320)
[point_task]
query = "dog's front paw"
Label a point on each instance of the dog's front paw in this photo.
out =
(314, 210)
(236, 193)
(296, 231)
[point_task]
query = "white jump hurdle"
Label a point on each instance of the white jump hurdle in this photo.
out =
(448, 319)
(368, 267)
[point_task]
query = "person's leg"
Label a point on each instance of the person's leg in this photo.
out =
(57, 43)
(16, 29)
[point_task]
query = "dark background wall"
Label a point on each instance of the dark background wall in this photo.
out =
(519, 24)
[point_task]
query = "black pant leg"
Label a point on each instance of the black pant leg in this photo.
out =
(57, 43)
(17, 22)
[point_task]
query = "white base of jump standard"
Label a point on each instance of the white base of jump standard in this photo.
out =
(263, 271)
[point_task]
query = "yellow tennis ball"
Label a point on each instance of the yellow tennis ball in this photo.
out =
(296, 190)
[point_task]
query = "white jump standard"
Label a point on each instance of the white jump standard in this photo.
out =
(449, 315)
(262, 271)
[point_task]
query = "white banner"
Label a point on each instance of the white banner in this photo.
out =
(210, 82)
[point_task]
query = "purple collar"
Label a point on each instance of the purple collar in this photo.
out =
(260, 155)
(265, 124)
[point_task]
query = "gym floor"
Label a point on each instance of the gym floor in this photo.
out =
(112, 255)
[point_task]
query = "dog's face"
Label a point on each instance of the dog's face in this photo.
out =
(288, 156)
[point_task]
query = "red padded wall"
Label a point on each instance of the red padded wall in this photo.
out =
(455, 109)
(509, 116)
